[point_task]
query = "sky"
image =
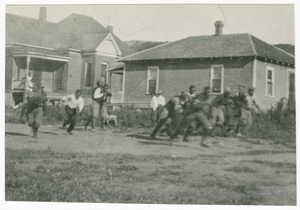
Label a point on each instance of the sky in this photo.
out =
(169, 22)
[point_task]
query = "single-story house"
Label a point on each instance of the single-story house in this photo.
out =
(71, 54)
(219, 61)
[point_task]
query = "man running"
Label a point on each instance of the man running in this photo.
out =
(172, 109)
(34, 110)
(198, 110)
(247, 104)
(217, 110)
(74, 105)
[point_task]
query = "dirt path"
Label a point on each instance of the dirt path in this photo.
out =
(229, 160)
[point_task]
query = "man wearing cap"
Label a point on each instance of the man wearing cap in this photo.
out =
(173, 110)
(160, 103)
(246, 106)
(217, 110)
(198, 110)
(97, 97)
(241, 90)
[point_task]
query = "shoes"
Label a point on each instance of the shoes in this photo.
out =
(70, 133)
(239, 135)
(203, 144)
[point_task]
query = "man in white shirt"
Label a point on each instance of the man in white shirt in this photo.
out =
(160, 103)
(192, 91)
(97, 102)
(153, 106)
(248, 104)
(74, 105)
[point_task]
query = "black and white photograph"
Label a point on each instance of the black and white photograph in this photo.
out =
(170, 104)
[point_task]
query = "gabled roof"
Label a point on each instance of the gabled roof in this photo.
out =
(82, 24)
(230, 45)
(76, 31)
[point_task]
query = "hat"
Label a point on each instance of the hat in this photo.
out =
(241, 85)
(251, 88)
(160, 92)
(99, 82)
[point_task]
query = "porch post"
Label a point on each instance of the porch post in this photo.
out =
(123, 85)
(26, 79)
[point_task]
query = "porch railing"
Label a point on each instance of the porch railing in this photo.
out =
(18, 84)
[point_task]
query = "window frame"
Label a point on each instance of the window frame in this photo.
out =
(211, 78)
(289, 72)
(147, 80)
(268, 68)
(85, 75)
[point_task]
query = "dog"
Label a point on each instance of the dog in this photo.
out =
(110, 118)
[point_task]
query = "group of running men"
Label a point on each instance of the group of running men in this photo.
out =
(36, 100)
(181, 113)
(187, 111)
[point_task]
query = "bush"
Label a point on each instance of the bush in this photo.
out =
(129, 116)
(277, 123)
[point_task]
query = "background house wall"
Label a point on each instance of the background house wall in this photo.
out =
(280, 84)
(177, 76)
(74, 72)
(10, 68)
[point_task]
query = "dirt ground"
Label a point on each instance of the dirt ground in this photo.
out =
(269, 167)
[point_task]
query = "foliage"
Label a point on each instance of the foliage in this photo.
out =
(129, 116)
(278, 124)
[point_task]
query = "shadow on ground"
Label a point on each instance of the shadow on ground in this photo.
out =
(15, 134)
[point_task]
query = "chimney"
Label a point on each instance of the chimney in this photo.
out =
(110, 29)
(219, 28)
(43, 14)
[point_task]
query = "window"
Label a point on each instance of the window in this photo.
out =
(87, 75)
(152, 79)
(270, 82)
(216, 78)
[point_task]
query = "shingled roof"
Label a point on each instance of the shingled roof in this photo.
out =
(231, 45)
(76, 31)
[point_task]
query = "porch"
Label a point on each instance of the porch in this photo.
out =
(43, 67)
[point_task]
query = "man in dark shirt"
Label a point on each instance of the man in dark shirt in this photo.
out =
(103, 111)
(217, 110)
(34, 110)
(44, 95)
(198, 110)
(97, 102)
(172, 109)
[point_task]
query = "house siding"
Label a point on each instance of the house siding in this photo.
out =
(175, 77)
(280, 84)
(74, 72)
(9, 68)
